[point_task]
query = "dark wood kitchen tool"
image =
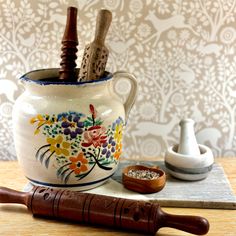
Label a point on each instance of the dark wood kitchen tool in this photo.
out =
(119, 213)
(69, 47)
(143, 184)
(96, 54)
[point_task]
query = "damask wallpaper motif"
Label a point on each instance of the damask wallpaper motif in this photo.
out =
(182, 53)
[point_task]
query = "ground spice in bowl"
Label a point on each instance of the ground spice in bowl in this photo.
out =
(143, 174)
(143, 179)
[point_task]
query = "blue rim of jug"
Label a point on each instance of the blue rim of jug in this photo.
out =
(69, 185)
(25, 78)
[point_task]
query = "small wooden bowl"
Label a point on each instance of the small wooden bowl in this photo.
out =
(143, 185)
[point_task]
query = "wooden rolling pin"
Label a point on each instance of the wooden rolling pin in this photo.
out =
(114, 212)
(96, 53)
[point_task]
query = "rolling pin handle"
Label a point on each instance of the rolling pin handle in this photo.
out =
(191, 224)
(12, 196)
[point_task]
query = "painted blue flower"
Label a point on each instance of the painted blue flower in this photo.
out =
(117, 122)
(72, 125)
(109, 147)
(62, 116)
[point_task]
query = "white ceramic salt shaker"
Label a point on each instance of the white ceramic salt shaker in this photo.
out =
(188, 144)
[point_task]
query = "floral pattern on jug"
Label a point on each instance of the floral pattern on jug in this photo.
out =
(76, 143)
(70, 135)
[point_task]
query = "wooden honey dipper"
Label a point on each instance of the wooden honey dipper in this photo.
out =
(114, 212)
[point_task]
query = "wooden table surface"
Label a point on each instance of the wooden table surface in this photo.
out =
(16, 220)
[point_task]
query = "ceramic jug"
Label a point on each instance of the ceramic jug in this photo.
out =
(69, 134)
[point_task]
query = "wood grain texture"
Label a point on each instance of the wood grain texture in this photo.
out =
(16, 220)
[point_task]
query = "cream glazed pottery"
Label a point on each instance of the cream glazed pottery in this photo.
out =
(189, 160)
(69, 134)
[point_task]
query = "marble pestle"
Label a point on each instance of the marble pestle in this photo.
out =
(188, 144)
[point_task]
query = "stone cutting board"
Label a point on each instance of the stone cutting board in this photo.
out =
(213, 192)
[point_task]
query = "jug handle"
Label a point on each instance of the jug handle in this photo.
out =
(132, 93)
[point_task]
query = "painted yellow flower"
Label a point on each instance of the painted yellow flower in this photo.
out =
(59, 146)
(118, 133)
(41, 120)
(118, 151)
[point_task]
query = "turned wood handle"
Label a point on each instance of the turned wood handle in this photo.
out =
(103, 22)
(70, 33)
(191, 224)
(69, 47)
(12, 196)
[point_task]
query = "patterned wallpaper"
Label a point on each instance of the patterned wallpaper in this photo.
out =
(181, 51)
